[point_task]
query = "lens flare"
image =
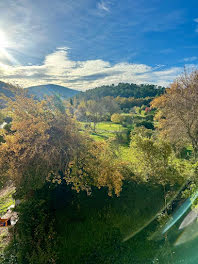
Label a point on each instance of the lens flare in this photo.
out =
(3, 40)
(180, 212)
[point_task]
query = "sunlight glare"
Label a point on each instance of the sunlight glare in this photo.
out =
(4, 44)
(3, 40)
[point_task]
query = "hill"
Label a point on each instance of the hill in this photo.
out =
(123, 90)
(5, 89)
(41, 91)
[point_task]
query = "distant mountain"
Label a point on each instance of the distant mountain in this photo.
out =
(5, 89)
(40, 91)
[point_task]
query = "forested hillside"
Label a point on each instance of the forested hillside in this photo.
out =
(122, 90)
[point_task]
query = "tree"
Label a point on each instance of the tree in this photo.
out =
(110, 105)
(95, 165)
(1, 118)
(178, 111)
(123, 90)
(40, 142)
(95, 110)
(116, 118)
(153, 159)
(44, 143)
(81, 113)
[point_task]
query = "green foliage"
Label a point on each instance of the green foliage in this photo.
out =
(122, 90)
(146, 124)
(34, 237)
(96, 110)
(6, 199)
(153, 160)
(126, 104)
(44, 152)
(1, 117)
(123, 119)
(116, 118)
(92, 228)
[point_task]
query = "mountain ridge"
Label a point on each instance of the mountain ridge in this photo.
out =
(43, 90)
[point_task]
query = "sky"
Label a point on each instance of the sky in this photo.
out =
(84, 44)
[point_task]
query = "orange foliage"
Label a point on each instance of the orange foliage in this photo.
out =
(44, 144)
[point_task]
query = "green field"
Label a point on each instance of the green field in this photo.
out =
(104, 130)
(6, 200)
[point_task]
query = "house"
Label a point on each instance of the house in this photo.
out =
(5, 222)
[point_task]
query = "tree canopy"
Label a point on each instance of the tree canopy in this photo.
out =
(178, 111)
(122, 90)
(44, 143)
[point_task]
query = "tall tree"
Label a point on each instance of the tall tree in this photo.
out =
(95, 110)
(178, 111)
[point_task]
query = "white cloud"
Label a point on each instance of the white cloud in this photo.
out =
(190, 59)
(103, 6)
(58, 68)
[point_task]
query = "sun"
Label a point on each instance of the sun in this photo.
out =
(3, 40)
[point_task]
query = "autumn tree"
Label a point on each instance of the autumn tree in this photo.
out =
(178, 111)
(44, 143)
(81, 113)
(95, 110)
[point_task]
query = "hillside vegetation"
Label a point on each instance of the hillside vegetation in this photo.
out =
(42, 91)
(98, 174)
(122, 90)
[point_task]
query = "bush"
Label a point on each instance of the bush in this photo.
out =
(146, 124)
(149, 117)
(123, 119)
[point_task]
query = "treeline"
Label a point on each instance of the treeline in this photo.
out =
(122, 90)
(121, 110)
(101, 103)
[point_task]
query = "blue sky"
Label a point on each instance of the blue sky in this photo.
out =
(87, 43)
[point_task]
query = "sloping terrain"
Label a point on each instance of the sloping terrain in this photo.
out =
(41, 91)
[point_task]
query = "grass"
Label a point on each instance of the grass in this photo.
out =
(107, 126)
(108, 130)
(104, 130)
(6, 200)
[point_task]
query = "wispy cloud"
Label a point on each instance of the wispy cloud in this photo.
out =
(58, 68)
(190, 59)
(103, 6)
(166, 51)
(196, 20)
